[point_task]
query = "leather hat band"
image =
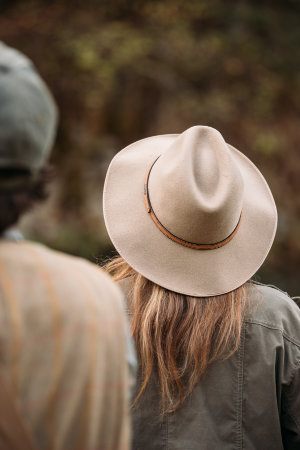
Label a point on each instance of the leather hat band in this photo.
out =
(170, 235)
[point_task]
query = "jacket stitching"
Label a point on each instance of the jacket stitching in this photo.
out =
(270, 286)
(274, 327)
(239, 417)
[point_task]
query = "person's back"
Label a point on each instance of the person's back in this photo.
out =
(63, 350)
(64, 347)
(219, 359)
(249, 401)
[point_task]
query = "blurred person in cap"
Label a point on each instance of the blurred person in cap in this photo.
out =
(64, 349)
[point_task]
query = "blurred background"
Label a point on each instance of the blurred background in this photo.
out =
(123, 70)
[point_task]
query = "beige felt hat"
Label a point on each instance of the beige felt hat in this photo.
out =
(189, 212)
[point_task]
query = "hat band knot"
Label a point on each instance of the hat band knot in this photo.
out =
(170, 235)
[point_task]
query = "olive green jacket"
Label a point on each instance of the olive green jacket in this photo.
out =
(250, 401)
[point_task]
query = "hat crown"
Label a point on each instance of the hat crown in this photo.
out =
(195, 187)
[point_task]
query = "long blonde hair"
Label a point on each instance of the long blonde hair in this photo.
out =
(179, 336)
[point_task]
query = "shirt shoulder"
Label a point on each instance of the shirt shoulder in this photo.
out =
(274, 309)
(68, 276)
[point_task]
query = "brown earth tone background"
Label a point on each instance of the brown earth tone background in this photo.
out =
(122, 70)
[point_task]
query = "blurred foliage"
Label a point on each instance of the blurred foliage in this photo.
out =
(124, 70)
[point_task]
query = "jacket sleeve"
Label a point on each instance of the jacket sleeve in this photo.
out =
(291, 412)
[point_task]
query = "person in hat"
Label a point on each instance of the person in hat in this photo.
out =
(64, 377)
(193, 219)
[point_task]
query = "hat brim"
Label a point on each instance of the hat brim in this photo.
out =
(199, 273)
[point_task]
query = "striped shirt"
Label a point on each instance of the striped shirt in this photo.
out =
(63, 349)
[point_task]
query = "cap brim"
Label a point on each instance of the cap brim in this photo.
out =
(191, 272)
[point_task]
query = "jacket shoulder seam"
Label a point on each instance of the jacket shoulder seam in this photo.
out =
(271, 286)
(274, 327)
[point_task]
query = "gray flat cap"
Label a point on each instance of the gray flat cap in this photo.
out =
(28, 114)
